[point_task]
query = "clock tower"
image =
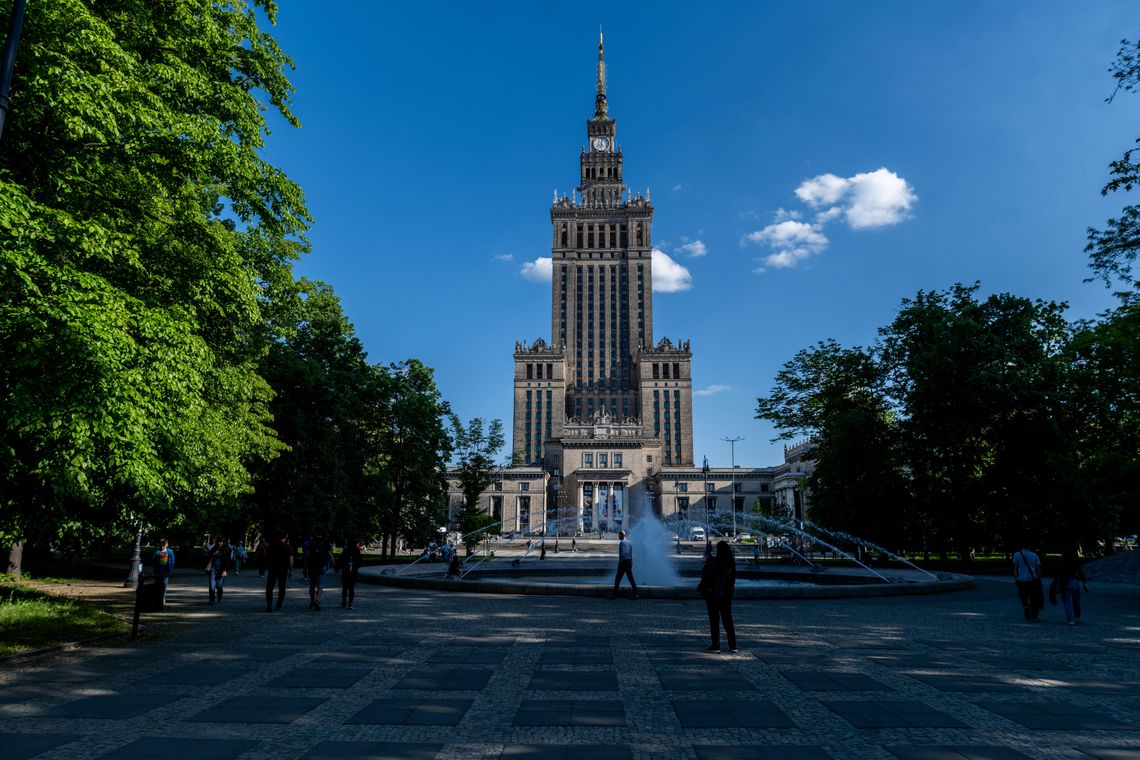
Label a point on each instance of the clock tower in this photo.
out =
(601, 360)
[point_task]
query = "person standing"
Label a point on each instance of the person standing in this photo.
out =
(717, 586)
(259, 554)
(625, 565)
(279, 566)
(1027, 578)
(318, 557)
(349, 568)
(1070, 580)
(217, 567)
(163, 561)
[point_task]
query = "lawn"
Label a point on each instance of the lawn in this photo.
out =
(31, 619)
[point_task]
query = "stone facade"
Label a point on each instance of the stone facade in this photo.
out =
(603, 414)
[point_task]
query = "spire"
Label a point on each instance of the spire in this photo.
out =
(600, 109)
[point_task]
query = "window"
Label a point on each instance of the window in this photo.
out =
(738, 504)
(683, 487)
(587, 460)
(711, 502)
(710, 487)
(737, 487)
(603, 459)
(649, 458)
(498, 485)
(683, 507)
(524, 512)
(497, 508)
(617, 460)
(763, 488)
(524, 486)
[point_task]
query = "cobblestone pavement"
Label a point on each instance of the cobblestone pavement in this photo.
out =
(413, 674)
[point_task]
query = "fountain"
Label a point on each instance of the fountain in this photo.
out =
(661, 568)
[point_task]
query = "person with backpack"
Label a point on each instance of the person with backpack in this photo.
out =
(1027, 579)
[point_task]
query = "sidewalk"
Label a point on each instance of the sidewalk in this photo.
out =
(408, 675)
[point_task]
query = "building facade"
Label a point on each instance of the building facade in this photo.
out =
(603, 413)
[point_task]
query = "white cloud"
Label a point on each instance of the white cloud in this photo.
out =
(696, 249)
(794, 241)
(677, 187)
(712, 389)
(824, 190)
(539, 270)
(865, 201)
(872, 199)
(879, 199)
(505, 257)
(668, 275)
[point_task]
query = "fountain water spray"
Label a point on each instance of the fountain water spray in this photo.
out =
(868, 544)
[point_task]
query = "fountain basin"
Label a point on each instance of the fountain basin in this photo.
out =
(534, 577)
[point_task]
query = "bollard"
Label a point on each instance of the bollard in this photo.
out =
(138, 606)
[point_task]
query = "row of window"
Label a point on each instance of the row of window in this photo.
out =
(603, 459)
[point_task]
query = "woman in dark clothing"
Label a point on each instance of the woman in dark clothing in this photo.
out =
(718, 582)
(1070, 580)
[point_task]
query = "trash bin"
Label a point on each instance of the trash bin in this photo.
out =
(149, 595)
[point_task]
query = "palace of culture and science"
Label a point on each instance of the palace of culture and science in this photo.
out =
(603, 413)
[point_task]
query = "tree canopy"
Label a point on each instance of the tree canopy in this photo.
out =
(142, 230)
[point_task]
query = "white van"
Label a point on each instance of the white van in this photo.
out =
(696, 534)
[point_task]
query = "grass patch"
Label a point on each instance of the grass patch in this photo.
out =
(31, 619)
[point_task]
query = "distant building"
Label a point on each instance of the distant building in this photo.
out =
(603, 414)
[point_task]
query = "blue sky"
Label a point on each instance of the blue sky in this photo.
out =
(830, 158)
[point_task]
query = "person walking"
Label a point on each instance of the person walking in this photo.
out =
(217, 567)
(349, 568)
(163, 562)
(717, 586)
(1070, 580)
(1027, 578)
(279, 567)
(625, 565)
(318, 557)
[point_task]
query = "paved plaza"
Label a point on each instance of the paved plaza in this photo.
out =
(411, 674)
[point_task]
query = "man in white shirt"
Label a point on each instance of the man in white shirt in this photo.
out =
(1027, 578)
(625, 564)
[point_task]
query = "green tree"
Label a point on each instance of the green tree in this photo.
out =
(981, 386)
(836, 397)
(1105, 400)
(322, 384)
(1112, 251)
(407, 470)
(475, 468)
(142, 232)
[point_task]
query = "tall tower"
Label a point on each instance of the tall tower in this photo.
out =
(601, 359)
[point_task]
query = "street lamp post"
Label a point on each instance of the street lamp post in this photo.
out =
(136, 561)
(732, 499)
(705, 472)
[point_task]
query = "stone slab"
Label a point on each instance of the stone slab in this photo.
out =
(348, 750)
(562, 680)
(446, 679)
(266, 710)
(176, 748)
(413, 712)
(570, 712)
(866, 714)
(730, 713)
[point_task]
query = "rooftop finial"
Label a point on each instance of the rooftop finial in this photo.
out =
(600, 109)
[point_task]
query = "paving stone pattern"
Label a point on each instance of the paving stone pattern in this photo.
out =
(411, 674)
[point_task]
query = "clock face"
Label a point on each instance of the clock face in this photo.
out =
(600, 143)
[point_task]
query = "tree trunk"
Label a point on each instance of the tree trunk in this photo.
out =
(15, 560)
